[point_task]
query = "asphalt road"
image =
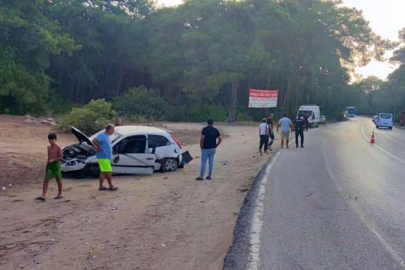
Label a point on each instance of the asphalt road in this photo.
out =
(339, 203)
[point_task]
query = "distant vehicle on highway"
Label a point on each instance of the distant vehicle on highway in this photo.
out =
(322, 120)
(312, 113)
(385, 120)
(375, 118)
(350, 112)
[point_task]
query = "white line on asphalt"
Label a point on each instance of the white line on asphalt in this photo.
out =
(356, 208)
(257, 222)
(379, 147)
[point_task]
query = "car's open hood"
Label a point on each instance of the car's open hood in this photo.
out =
(80, 136)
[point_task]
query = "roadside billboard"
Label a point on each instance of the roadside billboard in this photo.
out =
(263, 98)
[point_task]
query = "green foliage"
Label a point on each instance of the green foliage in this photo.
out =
(141, 101)
(365, 110)
(176, 113)
(243, 117)
(91, 118)
(203, 56)
(200, 113)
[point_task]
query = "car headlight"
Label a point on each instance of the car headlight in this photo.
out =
(72, 163)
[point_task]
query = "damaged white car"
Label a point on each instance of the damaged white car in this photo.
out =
(136, 150)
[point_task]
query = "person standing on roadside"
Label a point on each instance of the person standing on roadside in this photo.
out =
(104, 152)
(306, 122)
(286, 126)
(299, 125)
(271, 132)
(210, 140)
(118, 122)
(264, 136)
(53, 167)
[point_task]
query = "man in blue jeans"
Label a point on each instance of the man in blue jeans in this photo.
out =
(210, 140)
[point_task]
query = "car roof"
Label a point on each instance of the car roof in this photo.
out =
(134, 130)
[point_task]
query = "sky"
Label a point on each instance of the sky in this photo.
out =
(385, 20)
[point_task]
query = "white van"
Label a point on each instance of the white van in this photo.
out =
(384, 120)
(312, 112)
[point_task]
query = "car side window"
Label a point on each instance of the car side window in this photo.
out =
(131, 145)
(157, 141)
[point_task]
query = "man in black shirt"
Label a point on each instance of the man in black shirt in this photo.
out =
(271, 133)
(299, 125)
(208, 144)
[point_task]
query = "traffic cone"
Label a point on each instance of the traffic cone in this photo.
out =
(372, 138)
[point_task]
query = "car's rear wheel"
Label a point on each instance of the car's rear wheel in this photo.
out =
(169, 165)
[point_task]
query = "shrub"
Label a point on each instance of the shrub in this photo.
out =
(200, 113)
(141, 102)
(365, 110)
(333, 115)
(244, 117)
(176, 113)
(91, 118)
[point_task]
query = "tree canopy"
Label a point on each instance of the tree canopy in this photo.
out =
(189, 61)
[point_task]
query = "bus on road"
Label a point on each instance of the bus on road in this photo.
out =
(350, 111)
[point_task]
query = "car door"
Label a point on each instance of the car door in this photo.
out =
(131, 156)
(164, 148)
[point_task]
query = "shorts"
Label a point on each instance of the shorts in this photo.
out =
(53, 170)
(285, 135)
(105, 165)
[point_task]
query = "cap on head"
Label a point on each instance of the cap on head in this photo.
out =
(264, 120)
(210, 122)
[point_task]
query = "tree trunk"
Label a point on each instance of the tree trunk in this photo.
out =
(286, 97)
(268, 82)
(119, 83)
(234, 99)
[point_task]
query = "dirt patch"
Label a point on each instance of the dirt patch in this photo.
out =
(163, 221)
(23, 150)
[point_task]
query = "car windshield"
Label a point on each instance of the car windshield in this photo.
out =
(386, 116)
(113, 137)
(305, 113)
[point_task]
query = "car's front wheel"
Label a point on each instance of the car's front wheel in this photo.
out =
(94, 169)
(168, 165)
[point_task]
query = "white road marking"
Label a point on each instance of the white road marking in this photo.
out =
(380, 148)
(356, 208)
(257, 221)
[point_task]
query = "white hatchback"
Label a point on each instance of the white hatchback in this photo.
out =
(135, 150)
(385, 120)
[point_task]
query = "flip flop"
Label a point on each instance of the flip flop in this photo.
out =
(103, 188)
(58, 197)
(40, 199)
(114, 188)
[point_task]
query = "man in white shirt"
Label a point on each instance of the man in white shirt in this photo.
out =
(286, 126)
(264, 136)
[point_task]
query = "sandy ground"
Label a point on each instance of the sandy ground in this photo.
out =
(163, 221)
